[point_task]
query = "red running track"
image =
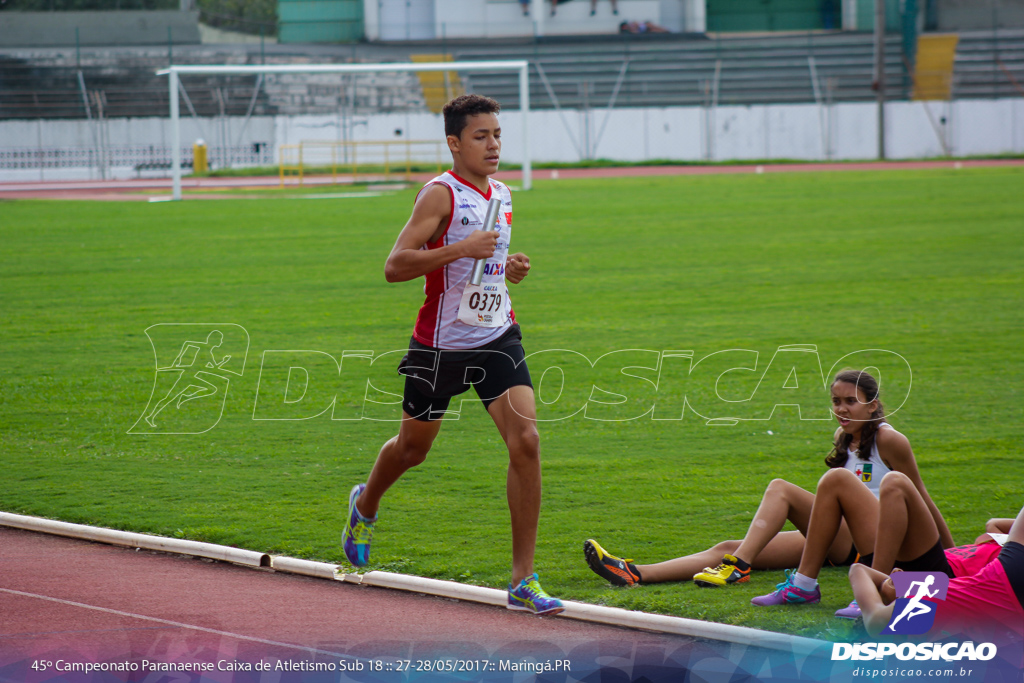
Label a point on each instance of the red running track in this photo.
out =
(121, 190)
(77, 602)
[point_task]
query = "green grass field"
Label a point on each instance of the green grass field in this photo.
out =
(927, 264)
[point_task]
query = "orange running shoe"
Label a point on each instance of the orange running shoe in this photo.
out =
(615, 571)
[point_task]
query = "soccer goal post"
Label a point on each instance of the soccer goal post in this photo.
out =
(173, 72)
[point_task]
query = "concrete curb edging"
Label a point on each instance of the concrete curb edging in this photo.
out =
(443, 589)
(740, 635)
(293, 565)
(247, 558)
(613, 616)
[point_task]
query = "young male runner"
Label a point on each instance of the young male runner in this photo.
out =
(443, 238)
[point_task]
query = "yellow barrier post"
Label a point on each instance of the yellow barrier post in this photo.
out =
(199, 164)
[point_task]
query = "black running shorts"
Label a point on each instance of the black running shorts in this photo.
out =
(851, 558)
(1012, 559)
(933, 560)
(434, 376)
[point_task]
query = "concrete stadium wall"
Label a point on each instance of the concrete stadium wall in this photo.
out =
(802, 131)
(796, 131)
(114, 27)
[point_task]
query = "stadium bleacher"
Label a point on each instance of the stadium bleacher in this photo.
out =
(755, 70)
(579, 72)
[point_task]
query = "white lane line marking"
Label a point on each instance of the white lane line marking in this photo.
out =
(36, 634)
(178, 624)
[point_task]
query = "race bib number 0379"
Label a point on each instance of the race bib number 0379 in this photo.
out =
(483, 305)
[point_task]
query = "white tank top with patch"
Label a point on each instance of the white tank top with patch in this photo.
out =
(872, 470)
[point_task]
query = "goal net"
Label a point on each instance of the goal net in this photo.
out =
(342, 119)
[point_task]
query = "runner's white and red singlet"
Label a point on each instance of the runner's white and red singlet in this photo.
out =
(438, 323)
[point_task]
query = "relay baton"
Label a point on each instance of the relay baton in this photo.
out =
(490, 223)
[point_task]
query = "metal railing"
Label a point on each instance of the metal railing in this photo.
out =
(88, 5)
(102, 159)
(376, 159)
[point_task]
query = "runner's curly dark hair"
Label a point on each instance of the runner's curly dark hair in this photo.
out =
(462, 107)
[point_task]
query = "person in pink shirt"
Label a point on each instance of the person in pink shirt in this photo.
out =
(906, 537)
(966, 560)
(986, 605)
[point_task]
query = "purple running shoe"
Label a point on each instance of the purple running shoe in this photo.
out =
(788, 594)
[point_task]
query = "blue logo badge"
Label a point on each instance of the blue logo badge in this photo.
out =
(914, 613)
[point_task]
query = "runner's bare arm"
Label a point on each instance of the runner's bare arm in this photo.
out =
(894, 449)
(996, 525)
(517, 267)
(999, 525)
(407, 261)
(867, 590)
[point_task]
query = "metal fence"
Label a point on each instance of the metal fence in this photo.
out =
(255, 19)
(106, 161)
(385, 159)
(87, 5)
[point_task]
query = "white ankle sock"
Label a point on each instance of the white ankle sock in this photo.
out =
(804, 582)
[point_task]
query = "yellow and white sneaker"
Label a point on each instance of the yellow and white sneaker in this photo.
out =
(724, 574)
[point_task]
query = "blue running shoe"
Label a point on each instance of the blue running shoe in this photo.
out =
(358, 531)
(528, 596)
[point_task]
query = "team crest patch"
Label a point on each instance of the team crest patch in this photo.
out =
(863, 471)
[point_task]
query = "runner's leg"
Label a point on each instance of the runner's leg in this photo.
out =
(402, 452)
(840, 494)
(1017, 530)
(515, 416)
(782, 552)
(906, 528)
(781, 501)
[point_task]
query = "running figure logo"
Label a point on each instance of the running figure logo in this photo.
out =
(194, 363)
(914, 613)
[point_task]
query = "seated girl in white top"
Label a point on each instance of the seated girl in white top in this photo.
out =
(865, 448)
